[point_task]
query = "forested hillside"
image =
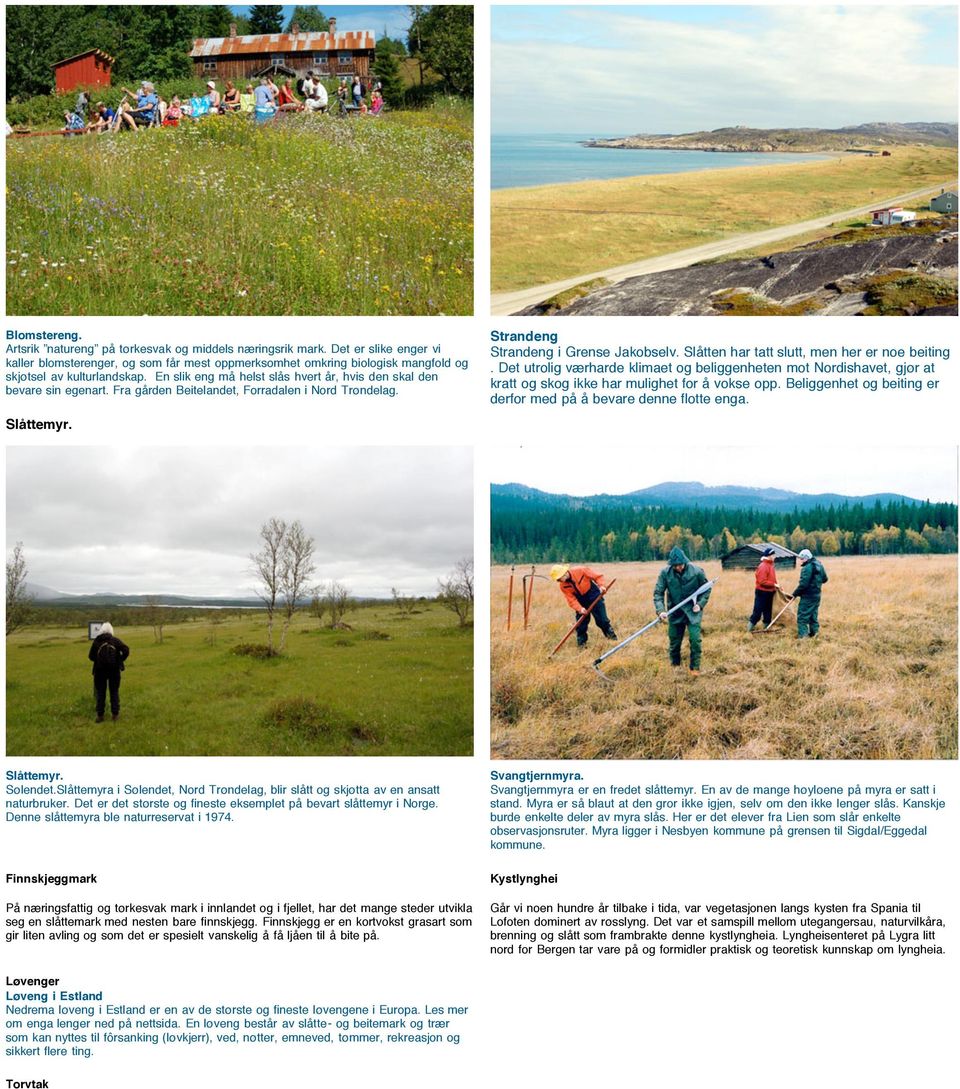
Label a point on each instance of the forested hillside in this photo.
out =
(535, 527)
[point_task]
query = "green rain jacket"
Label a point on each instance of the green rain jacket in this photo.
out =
(812, 577)
(674, 588)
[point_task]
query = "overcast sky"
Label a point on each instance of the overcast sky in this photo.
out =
(185, 521)
(921, 472)
(622, 70)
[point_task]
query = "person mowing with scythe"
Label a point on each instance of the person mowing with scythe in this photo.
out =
(584, 590)
(812, 576)
(678, 580)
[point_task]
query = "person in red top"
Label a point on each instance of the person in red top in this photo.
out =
(582, 587)
(287, 100)
(765, 586)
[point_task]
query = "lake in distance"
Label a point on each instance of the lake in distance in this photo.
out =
(525, 159)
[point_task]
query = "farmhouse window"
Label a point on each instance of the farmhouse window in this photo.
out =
(278, 58)
(345, 58)
(319, 58)
(209, 66)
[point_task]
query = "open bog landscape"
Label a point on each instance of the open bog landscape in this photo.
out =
(879, 682)
(389, 685)
(342, 626)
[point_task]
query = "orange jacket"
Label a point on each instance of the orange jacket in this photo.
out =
(578, 582)
(766, 575)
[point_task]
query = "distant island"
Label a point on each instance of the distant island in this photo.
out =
(857, 138)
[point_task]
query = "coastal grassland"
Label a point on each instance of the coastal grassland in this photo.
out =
(391, 686)
(879, 682)
(543, 234)
(305, 215)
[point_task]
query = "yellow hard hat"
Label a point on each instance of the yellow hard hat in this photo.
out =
(558, 571)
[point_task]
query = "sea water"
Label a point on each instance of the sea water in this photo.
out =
(548, 158)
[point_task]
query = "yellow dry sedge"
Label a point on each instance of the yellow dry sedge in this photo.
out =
(880, 681)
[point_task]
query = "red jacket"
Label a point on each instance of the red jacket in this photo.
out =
(766, 575)
(578, 582)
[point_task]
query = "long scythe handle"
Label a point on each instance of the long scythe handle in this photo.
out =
(790, 601)
(580, 618)
(700, 590)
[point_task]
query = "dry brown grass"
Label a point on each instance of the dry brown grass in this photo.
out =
(879, 683)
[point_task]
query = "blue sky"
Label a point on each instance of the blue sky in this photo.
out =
(619, 69)
(396, 19)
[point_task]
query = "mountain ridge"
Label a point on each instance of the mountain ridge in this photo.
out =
(697, 494)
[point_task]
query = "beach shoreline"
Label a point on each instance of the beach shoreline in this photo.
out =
(809, 157)
(530, 160)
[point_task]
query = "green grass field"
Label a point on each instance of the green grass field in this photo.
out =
(543, 234)
(392, 686)
(306, 215)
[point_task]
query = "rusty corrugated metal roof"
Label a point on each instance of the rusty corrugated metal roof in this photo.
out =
(283, 43)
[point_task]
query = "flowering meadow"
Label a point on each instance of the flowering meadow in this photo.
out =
(304, 215)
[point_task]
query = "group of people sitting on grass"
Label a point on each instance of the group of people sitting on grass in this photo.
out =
(144, 108)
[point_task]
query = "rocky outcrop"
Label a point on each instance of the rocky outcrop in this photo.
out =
(822, 278)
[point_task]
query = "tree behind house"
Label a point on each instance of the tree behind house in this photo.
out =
(309, 18)
(266, 18)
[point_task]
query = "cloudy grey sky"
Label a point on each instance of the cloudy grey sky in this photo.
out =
(921, 472)
(182, 520)
(617, 70)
